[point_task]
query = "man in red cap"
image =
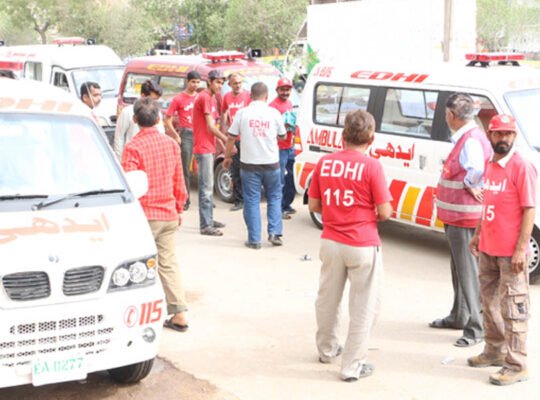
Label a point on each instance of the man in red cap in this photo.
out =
(501, 241)
(286, 149)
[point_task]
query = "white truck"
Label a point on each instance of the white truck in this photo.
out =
(357, 31)
(67, 64)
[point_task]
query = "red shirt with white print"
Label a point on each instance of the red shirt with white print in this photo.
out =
(283, 106)
(350, 186)
(509, 187)
(182, 106)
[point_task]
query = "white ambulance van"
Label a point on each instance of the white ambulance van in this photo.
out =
(67, 64)
(412, 139)
(78, 284)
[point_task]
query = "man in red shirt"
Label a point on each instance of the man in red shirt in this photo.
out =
(205, 133)
(233, 101)
(181, 112)
(286, 149)
(159, 156)
(349, 189)
(501, 240)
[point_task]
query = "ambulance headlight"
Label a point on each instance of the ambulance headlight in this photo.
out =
(137, 272)
(120, 277)
(134, 274)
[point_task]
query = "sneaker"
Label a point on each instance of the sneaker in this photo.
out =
(289, 210)
(506, 376)
(275, 240)
(364, 370)
(483, 360)
(217, 224)
(250, 245)
(237, 206)
(327, 359)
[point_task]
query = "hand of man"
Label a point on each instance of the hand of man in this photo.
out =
(518, 261)
(227, 162)
(473, 245)
(476, 193)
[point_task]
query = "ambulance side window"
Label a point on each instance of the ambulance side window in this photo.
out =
(33, 70)
(61, 81)
(327, 100)
(354, 98)
(484, 110)
(409, 112)
(333, 102)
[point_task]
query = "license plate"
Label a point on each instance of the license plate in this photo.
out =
(58, 368)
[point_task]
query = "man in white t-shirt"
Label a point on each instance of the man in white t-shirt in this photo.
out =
(258, 126)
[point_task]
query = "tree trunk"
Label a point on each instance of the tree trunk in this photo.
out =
(42, 31)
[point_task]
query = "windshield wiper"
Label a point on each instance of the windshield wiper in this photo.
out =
(22, 196)
(43, 204)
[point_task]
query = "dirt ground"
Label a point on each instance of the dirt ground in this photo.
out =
(164, 379)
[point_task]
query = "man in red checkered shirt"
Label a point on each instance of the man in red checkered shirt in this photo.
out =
(159, 156)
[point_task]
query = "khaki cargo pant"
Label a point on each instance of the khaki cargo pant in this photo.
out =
(363, 267)
(169, 272)
(505, 301)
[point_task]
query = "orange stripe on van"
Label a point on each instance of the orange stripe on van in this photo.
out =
(407, 208)
(396, 189)
(425, 209)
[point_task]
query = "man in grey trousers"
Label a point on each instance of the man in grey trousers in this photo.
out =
(459, 197)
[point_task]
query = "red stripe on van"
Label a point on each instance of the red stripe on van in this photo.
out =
(396, 189)
(425, 209)
(306, 171)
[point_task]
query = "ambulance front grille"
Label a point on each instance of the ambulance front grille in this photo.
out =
(23, 286)
(83, 280)
(84, 335)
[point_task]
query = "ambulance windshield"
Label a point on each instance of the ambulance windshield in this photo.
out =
(53, 155)
(108, 79)
(524, 105)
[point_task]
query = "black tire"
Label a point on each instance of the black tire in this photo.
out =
(534, 264)
(223, 186)
(317, 219)
(132, 373)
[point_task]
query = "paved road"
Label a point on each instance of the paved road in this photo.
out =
(252, 326)
(252, 319)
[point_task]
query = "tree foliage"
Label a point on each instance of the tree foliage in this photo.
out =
(40, 15)
(501, 23)
(263, 23)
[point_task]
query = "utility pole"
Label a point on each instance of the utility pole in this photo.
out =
(448, 22)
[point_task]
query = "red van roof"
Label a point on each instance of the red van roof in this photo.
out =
(180, 64)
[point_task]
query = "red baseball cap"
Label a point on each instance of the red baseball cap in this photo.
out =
(284, 82)
(502, 122)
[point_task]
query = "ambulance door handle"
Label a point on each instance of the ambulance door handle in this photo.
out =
(423, 161)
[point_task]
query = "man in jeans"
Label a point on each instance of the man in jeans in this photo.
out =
(233, 101)
(258, 126)
(159, 156)
(179, 123)
(205, 133)
(286, 148)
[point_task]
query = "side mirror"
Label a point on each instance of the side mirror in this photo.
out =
(138, 183)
